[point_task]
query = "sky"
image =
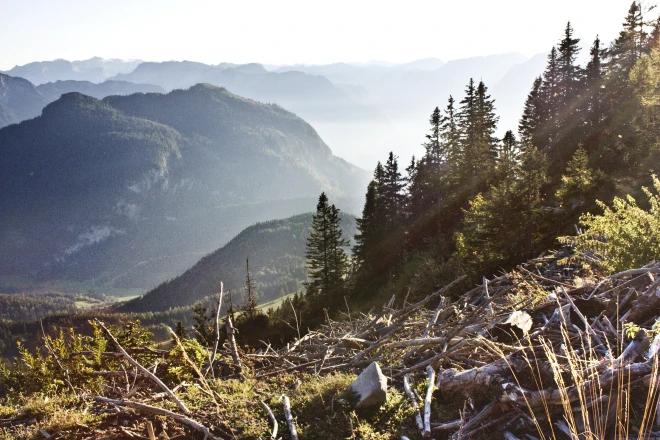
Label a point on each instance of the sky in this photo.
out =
(294, 31)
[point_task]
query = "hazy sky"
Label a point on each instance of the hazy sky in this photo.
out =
(293, 31)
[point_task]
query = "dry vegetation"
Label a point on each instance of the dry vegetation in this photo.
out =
(553, 349)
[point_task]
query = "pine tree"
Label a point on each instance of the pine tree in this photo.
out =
(434, 154)
(654, 37)
(594, 84)
(392, 193)
(327, 262)
(486, 125)
(531, 117)
(203, 328)
(577, 182)
(550, 99)
(569, 73)
(507, 158)
(250, 308)
(467, 120)
(626, 49)
(450, 134)
(365, 239)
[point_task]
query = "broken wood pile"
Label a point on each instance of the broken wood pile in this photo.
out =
(550, 350)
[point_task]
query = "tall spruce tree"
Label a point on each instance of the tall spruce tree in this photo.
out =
(486, 122)
(594, 84)
(569, 73)
(392, 193)
(327, 262)
(550, 99)
(507, 159)
(434, 152)
(366, 238)
(624, 52)
(450, 134)
(531, 117)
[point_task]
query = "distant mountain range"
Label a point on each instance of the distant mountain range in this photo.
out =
(132, 190)
(21, 100)
(407, 94)
(312, 97)
(361, 110)
(53, 90)
(276, 251)
(94, 70)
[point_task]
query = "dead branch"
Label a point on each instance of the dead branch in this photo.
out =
(143, 370)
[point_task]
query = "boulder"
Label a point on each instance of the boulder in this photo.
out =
(370, 386)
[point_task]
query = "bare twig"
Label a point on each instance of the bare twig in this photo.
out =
(272, 418)
(143, 370)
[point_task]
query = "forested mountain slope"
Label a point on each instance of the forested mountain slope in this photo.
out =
(131, 191)
(276, 253)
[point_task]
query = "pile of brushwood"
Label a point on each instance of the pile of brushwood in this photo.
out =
(553, 349)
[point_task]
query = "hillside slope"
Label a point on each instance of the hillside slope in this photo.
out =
(276, 250)
(19, 100)
(131, 191)
(53, 90)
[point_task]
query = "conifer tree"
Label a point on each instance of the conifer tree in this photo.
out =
(577, 182)
(550, 99)
(392, 193)
(507, 158)
(434, 154)
(181, 331)
(486, 125)
(594, 83)
(365, 239)
(327, 262)
(450, 134)
(531, 118)
(569, 73)
(626, 49)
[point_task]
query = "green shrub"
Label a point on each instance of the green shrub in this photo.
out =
(625, 236)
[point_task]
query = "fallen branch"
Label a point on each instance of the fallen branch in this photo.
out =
(289, 417)
(272, 418)
(430, 375)
(413, 403)
(142, 407)
(143, 370)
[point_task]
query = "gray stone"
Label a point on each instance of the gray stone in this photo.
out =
(521, 320)
(370, 386)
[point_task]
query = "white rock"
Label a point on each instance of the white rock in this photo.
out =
(370, 386)
(521, 320)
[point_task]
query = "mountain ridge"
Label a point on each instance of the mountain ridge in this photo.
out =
(94, 191)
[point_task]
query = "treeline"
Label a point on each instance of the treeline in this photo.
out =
(32, 307)
(477, 204)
